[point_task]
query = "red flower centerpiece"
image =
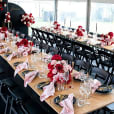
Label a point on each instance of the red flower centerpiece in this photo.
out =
(7, 18)
(24, 47)
(56, 26)
(28, 19)
(106, 39)
(4, 31)
(57, 68)
(80, 31)
(2, 4)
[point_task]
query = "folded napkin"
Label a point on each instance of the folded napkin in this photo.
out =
(49, 90)
(77, 75)
(67, 105)
(4, 50)
(14, 54)
(95, 85)
(21, 67)
(29, 77)
(2, 44)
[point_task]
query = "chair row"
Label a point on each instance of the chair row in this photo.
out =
(72, 50)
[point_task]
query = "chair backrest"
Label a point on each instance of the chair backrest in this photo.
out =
(67, 57)
(52, 50)
(80, 64)
(51, 39)
(100, 74)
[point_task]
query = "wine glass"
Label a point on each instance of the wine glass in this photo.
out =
(66, 78)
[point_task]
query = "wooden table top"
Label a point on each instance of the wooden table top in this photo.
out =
(96, 100)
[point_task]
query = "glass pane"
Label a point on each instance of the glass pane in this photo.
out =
(103, 15)
(72, 13)
(43, 11)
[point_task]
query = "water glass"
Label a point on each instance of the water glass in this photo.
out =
(66, 78)
(81, 101)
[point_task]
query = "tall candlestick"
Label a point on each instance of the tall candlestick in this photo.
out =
(70, 23)
(64, 22)
(96, 27)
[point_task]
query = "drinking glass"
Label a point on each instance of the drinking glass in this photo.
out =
(43, 71)
(81, 101)
(66, 78)
(83, 76)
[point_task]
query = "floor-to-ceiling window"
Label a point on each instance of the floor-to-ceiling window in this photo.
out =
(72, 13)
(42, 10)
(102, 16)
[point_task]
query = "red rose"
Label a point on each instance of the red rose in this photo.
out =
(50, 66)
(106, 36)
(83, 30)
(31, 43)
(111, 35)
(112, 43)
(102, 35)
(80, 33)
(50, 75)
(80, 27)
(56, 57)
(59, 68)
(4, 28)
(24, 42)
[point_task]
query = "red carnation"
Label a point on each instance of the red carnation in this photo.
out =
(111, 35)
(31, 43)
(112, 43)
(50, 66)
(4, 29)
(56, 57)
(24, 42)
(59, 68)
(80, 27)
(102, 35)
(106, 36)
(50, 75)
(83, 30)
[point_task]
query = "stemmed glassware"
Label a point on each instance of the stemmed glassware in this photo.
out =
(66, 78)
(85, 91)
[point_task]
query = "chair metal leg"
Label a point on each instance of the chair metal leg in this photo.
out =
(9, 104)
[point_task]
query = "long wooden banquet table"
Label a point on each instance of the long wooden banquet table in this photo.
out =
(96, 100)
(81, 40)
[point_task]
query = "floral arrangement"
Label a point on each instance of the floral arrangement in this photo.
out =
(28, 19)
(56, 25)
(24, 47)
(7, 18)
(80, 31)
(2, 4)
(24, 42)
(57, 67)
(107, 38)
(4, 30)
